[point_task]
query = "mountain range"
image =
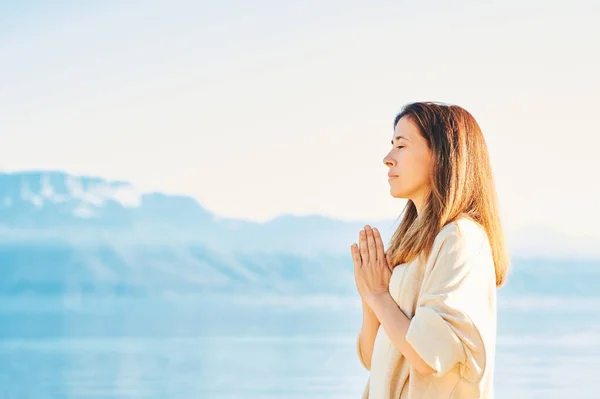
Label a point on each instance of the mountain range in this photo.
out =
(61, 233)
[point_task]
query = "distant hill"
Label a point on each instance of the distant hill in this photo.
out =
(61, 233)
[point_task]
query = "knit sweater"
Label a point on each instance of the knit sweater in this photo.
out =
(450, 299)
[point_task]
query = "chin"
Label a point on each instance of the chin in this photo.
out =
(398, 194)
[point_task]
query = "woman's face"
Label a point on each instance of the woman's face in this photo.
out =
(411, 161)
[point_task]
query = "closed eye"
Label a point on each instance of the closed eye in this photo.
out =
(400, 146)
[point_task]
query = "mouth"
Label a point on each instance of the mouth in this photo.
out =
(392, 177)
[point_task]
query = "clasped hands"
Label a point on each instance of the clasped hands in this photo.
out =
(372, 265)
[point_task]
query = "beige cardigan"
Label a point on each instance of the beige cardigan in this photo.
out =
(451, 301)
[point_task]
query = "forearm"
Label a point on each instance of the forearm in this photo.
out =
(368, 333)
(395, 323)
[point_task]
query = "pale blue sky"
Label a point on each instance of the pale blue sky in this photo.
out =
(270, 107)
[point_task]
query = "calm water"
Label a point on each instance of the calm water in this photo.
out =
(252, 348)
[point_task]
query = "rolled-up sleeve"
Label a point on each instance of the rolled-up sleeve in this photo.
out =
(454, 314)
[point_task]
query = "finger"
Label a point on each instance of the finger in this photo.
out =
(355, 255)
(371, 245)
(364, 251)
(379, 245)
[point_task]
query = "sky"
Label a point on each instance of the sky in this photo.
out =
(268, 107)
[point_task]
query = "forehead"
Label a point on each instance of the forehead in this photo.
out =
(406, 128)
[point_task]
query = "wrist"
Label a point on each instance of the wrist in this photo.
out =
(367, 311)
(373, 299)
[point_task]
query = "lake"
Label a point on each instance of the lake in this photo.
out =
(261, 347)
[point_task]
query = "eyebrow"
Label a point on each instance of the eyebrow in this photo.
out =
(398, 138)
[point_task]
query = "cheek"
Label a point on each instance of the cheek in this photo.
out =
(414, 171)
(411, 167)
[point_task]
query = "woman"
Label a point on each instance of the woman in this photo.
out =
(429, 301)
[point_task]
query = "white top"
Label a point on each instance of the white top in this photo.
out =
(451, 301)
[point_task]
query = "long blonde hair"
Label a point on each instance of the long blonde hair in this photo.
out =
(462, 185)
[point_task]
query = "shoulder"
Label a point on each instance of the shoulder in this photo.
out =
(464, 237)
(461, 255)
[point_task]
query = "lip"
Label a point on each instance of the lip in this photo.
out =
(392, 177)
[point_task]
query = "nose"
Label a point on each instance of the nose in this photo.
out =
(389, 162)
